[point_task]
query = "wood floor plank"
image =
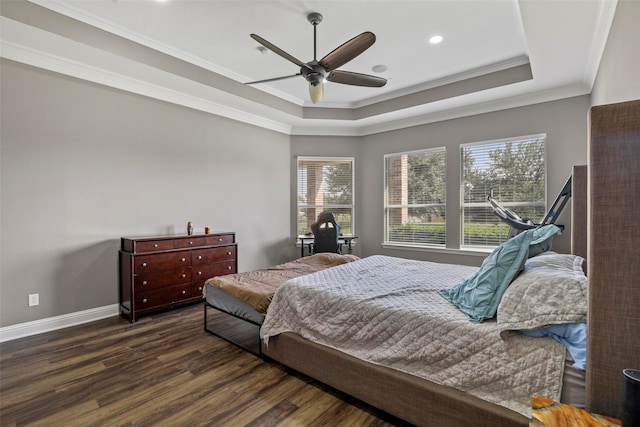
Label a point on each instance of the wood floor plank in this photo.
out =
(274, 415)
(68, 416)
(162, 370)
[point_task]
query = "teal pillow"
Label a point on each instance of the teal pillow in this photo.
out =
(542, 239)
(479, 295)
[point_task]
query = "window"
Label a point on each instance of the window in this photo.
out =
(515, 170)
(415, 197)
(325, 184)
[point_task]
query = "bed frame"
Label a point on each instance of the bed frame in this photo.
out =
(405, 396)
(241, 332)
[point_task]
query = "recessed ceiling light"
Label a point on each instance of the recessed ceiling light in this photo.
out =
(379, 68)
(435, 39)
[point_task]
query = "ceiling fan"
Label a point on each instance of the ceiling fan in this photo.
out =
(317, 72)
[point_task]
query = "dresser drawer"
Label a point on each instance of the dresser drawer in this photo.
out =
(191, 242)
(162, 296)
(163, 278)
(154, 245)
(204, 272)
(208, 256)
(196, 289)
(217, 239)
(158, 262)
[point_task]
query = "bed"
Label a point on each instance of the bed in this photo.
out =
(390, 373)
(411, 350)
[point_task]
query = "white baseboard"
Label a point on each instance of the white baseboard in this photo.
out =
(26, 329)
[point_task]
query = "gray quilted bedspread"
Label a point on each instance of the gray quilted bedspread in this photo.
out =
(387, 311)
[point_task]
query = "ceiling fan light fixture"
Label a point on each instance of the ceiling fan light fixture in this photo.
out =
(316, 92)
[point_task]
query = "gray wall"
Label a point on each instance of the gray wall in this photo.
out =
(618, 74)
(83, 165)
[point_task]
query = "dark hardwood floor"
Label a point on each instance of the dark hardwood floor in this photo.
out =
(163, 370)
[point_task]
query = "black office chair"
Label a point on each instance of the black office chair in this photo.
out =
(325, 233)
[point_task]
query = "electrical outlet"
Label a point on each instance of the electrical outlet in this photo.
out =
(34, 299)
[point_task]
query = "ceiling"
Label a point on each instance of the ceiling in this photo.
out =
(495, 54)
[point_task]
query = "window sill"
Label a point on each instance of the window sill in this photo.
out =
(480, 252)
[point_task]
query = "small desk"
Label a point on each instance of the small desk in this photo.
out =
(307, 240)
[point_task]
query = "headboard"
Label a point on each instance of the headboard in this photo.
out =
(613, 342)
(579, 211)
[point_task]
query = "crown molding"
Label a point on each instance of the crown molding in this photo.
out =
(606, 14)
(40, 59)
(95, 21)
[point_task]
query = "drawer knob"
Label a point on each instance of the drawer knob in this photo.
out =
(183, 259)
(199, 273)
(229, 267)
(229, 253)
(199, 256)
(144, 283)
(155, 246)
(144, 300)
(144, 264)
(219, 239)
(183, 275)
(190, 242)
(199, 288)
(184, 292)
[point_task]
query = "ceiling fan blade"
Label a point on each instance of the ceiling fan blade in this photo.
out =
(348, 50)
(356, 79)
(272, 79)
(277, 50)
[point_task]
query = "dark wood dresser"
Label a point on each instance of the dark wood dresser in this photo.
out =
(163, 272)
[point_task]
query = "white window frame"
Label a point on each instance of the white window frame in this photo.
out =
(387, 205)
(508, 204)
(345, 228)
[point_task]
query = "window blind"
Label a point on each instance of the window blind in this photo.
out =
(325, 184)
(515, 170)
(415, 197)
